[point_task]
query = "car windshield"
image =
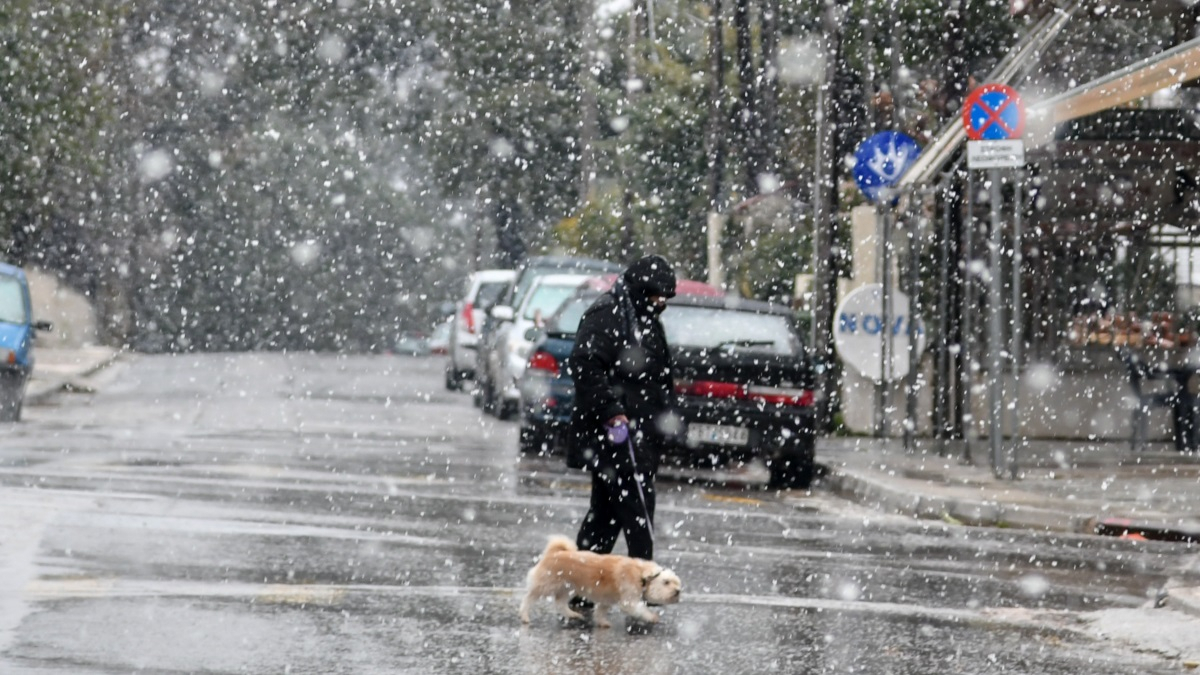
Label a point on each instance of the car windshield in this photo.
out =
(734, 330)
(547, 300)
(12, 301)
(489, 293)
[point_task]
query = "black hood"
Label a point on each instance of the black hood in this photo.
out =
(651, 275)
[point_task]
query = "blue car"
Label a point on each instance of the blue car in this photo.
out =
(743, 386)
(17, 332)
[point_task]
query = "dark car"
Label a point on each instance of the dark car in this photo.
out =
(743, 385)
(500, 317)
(17, 333)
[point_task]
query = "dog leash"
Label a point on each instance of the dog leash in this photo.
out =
(615, 434)
(641, 495)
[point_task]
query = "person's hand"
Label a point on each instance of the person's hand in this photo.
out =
(619, 419)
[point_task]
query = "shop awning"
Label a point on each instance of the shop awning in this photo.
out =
(1172, 67)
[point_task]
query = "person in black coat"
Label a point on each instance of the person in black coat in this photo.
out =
(622, 373)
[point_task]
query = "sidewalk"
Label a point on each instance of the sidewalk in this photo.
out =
(1068, 486)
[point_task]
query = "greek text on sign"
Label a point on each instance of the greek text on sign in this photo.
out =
(995, 154)
(993, 112)
(858, 332)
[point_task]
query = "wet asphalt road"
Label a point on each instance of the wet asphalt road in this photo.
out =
(323, 514)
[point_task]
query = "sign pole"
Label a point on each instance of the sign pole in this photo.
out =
(884, 281)
(968, 320)
(1017, 328)
(942, 388)
(995, 330)
(914, 310)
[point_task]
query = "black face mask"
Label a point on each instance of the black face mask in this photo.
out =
(643, 306)
(646, 307)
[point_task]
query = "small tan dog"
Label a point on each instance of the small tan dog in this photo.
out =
(606, 580)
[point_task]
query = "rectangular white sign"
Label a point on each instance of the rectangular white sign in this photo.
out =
(995, 154)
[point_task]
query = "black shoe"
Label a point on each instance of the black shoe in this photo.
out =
(581, 605)
(638, 627)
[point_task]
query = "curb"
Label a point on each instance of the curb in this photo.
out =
(1182, 597)
(47, 389)
(883, 496)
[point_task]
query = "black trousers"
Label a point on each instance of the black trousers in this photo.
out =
(617, 507)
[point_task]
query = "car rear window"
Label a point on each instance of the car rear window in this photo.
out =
(735, 330)
(12, 301)
(571, 313)
(489, 293)
(547, 300)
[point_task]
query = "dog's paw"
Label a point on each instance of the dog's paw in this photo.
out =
(648, 616)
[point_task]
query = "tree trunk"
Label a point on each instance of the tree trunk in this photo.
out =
(747, 118)
(509, 245)
(769, 95)
(714, 140)
(825, 225)
(588, 116)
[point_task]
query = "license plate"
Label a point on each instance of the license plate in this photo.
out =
(714, 434)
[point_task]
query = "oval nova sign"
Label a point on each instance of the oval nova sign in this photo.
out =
(858, 332)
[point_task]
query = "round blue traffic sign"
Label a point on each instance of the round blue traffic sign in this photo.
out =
(880, 160)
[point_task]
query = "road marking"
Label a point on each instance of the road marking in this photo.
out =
(285, 594)
(734, 500)
(334, 594)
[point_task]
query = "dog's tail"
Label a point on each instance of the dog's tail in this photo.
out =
(559, 544)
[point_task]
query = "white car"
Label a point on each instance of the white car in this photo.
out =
(515, 337)
(484, 288)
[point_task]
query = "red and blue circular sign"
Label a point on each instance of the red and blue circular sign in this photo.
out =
(994, 112)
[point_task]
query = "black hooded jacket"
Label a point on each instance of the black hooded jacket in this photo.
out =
(621, 365)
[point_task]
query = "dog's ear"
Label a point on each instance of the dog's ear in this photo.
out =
(650, 573)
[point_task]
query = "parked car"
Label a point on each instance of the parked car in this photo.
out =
(514, 338)
(743, 386)
(484, 288)
(530, 270)
(411, 344)
(18, 331)
(439, 339)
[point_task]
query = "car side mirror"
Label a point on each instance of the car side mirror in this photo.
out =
(43, 326)
(502, 313)
(534, 334)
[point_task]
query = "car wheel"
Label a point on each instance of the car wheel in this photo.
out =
(792, 468)
(536, 441)
(505, 409)
(453, 381)
(12, 393)
(489, 397)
